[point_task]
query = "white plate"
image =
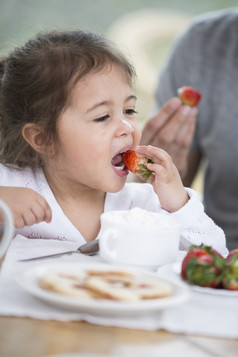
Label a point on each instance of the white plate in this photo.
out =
(219, 292)
(28, 279)
(199, 289)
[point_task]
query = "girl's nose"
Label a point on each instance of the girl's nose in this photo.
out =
(125, 127)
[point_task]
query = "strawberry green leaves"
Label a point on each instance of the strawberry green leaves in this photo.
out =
(144, 171)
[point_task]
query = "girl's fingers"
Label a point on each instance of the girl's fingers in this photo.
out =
(155, 154)
(158, 169)
(19, 222)
(29, 218)
(47, 213)
(39, 212)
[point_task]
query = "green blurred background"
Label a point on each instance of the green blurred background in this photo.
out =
(143, 29)
(21, 18)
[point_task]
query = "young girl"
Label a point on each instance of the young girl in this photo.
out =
(67, 115)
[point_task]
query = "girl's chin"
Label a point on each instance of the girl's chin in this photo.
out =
(117, 184)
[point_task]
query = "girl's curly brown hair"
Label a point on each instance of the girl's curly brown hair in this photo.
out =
(36, 82)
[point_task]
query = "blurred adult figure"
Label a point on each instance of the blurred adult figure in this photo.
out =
(205, 56)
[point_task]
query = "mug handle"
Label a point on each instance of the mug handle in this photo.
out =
(106, 252)
(8, 229)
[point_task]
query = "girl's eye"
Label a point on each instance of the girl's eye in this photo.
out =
(105, 117)
(130, 111)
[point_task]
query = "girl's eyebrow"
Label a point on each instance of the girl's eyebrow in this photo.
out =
(105, 102)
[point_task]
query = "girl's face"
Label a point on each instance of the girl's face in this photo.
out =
(98, 126)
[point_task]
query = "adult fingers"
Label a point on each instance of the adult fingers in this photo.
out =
(185, 135)
(158, 120)
(170, 130)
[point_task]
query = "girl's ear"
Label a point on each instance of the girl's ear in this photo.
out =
(34, 135)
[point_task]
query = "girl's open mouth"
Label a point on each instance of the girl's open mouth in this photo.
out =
(119, 166)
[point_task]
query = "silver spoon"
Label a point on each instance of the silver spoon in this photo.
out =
(89, 248)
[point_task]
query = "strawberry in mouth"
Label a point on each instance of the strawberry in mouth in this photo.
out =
(137, 164)
(119, 165)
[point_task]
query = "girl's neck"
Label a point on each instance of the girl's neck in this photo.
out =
(82, 205)
(67, 191)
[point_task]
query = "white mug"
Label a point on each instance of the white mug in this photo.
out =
(8, 229)
(139, 238)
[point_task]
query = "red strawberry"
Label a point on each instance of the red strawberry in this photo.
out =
(231, 254)
(230, 280)
(189, 96)
(203, 266)
(137, 164)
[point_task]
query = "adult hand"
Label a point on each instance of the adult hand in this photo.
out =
(26, 205)
(172, 129)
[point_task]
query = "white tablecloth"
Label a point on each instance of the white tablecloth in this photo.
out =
(202, 314)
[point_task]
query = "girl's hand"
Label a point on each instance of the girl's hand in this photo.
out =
(26, 205)
(165, 179)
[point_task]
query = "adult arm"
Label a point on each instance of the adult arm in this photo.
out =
(174, 130)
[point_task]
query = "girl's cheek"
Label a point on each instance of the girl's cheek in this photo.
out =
(137, 134)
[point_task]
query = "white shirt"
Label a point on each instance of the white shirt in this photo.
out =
(197, 227)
